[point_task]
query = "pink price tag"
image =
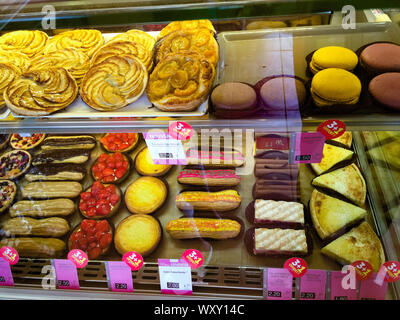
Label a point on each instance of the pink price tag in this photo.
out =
(180, 130)
(10, 255)
(194, 258)
(133, 259)
(175, 277)
(66, 274)
(306, 147)
(313, 285)
(278, 284)
(6, 278)
(371, 290)
(78, 258)
(119, 276)
(340, 291)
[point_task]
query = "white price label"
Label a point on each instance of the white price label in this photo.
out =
(175, 277)
(164, 149)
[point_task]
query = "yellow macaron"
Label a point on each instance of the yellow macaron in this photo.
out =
(333, 57)
(335, 86)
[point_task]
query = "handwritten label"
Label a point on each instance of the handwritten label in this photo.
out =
(338, 292)
(66, 274)
(6, 278)
(193, 257)
(78, 258)
(371, 290)
(119, 276)
(313, 285)
(175, 277)
(133, 259)
(180, 130)
(278, 284)
(10, 255)
(363, 269)
(332, 129)
(306, 147)
(164, 149)
(296, 266)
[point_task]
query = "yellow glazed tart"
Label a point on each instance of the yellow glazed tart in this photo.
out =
(29, 42)
(17, 59)
(136, 36)
(145, 166)
(8, 73)
(185, 25)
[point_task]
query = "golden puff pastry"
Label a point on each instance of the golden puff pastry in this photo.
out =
(116, 48)
(8, 73)
(181, 82)
(199, 40)
(136, 36)
(76, 62)
(185, 25)
(29, 42)
(41, 92)
(114, 83)
(86, 40)
(19, 60)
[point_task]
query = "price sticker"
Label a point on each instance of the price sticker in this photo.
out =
(339, 290)
(332, 129)
(119, 276)
(193, 257)
(306, 147)
(133, 259)
(164, 149)
(363, 269)
(175, 277)
(78, 258)
(296, 266)
(392, 271)
(180, 130)
(371, 290)
(10, 255)
(313, 285)
(278, 284)
(6, 278)
(66, 274)
(272, 142)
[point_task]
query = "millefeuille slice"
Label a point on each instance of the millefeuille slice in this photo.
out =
(347, 181)
(329, 214)
(331, 156)
(360, 243)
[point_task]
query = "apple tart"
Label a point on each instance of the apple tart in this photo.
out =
(19, 60)
(86, 40)
(199, 40)
(136, 36)
(181, 82)
(114, 83)
(74, 61)
(8, 73)
(29, 42)
(117, 48)
(41, 92)
(185, 25)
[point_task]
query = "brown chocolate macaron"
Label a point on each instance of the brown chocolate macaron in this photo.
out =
(385, 89)
(382, 57)
(234, 99)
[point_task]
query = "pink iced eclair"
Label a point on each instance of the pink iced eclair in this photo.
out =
(213, 178)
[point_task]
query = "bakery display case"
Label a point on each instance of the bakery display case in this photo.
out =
(84, 86)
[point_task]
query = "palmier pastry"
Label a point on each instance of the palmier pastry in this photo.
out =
(17, 59)
(114, 83)
(136, 36)
(27, 42)
(199, 40)
(181, 82)
(185, 25)
(87, 41)
(76, 62)
(117, 48)
(8, 73)
(41, 92)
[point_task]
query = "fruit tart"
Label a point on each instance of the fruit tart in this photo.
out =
(181, 82)
(185, 25)
(111, 168)
(119, 142)
(100, 201)
(8, 73)
(28, 42)
(8, 190)
(17, 59)
(136, 36)
(14, 164)
(93, 237)
(26, 141)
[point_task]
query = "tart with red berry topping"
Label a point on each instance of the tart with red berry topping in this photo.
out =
(119, 142)
(14, 164)
(8, 190)
(93, 237)
(100, 201)
(26, 141)
(111, 168)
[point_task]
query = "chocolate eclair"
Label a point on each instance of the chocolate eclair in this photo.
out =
(69, 142)
(56, 172)
(77, 156)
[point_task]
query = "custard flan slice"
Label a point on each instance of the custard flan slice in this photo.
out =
(331, 156)
(345, 139)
